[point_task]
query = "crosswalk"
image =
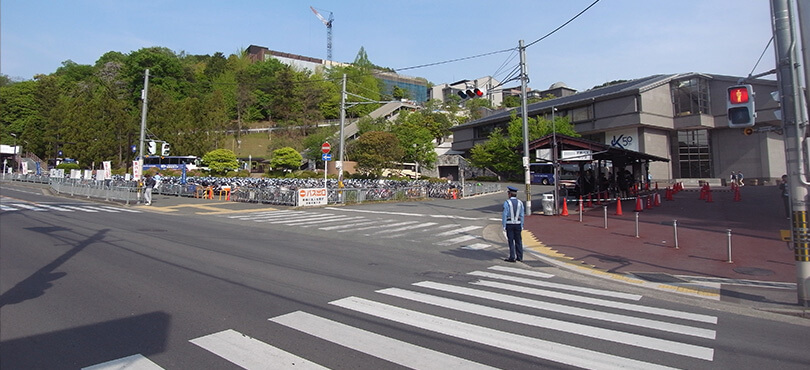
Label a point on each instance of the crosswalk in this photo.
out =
(42, 207)
(610, 329)
(375, 224)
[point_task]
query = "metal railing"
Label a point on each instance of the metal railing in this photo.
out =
(128, 192)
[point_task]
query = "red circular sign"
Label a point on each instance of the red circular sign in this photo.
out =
(325, 148)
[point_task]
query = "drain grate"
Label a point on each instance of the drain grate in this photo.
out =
(754, 271)
(538, 264)
(658, 277)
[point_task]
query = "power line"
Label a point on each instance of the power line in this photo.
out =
(563, 25)
(455, 60)
(500, 51)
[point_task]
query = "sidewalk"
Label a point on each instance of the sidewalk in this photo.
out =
(761, 271)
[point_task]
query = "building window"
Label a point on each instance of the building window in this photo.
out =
(694, 154)
(690, 97)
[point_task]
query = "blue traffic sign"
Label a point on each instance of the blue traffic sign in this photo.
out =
(326, 157)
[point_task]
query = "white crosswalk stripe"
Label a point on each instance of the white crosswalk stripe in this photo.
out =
(42, 207)
(559, 325)
(393, 350)
(437, 233)
(134, 362)
(29, 207)
(562, 353)
(60, 209)
(626, 326)
(250, 353)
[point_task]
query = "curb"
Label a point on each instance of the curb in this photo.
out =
(552, 256)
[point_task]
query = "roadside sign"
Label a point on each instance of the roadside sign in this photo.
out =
(326, 157)
(312, 197)
(326, 147)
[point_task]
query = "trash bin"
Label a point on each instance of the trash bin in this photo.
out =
(548, 204)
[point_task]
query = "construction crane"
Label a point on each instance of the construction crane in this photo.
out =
(328, 24)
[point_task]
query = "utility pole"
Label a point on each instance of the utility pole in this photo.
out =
(144, 96)
(342, 124)
(524, 77)
(794, 124)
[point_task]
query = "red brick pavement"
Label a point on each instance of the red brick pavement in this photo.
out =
(758, 253)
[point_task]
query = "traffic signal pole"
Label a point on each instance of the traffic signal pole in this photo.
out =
(794, 123)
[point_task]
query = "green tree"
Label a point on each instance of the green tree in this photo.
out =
(360, 81)
(502, 151)
(287, 159)
(220, 161)
(374, 151)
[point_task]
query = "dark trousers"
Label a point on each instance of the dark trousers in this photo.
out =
(786, 201)
(515, 241)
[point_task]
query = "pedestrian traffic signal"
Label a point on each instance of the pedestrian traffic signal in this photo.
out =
(151, 147)
(471, 93)
(740, 104)
(165, 149)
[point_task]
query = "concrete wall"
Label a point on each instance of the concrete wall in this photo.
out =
(657, 142)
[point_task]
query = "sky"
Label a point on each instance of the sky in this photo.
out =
(613, 40)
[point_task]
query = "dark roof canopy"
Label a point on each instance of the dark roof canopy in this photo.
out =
(599, 151)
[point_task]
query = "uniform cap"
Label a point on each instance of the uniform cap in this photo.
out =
(512, 189)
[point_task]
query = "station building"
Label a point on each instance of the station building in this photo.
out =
(679, 117)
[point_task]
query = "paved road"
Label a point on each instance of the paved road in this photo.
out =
(178, 287)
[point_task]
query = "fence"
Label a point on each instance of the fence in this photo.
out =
(284, 193)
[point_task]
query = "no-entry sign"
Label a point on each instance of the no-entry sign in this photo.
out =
(326, 147)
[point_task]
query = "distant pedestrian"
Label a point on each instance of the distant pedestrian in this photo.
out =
(740, 178)
(732, 179)
(785, 190)
(149, 184)
(512, 222)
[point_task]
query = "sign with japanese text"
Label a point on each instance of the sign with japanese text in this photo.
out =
(312, 197)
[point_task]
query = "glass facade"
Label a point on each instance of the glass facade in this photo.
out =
(694, 154)
(690, 97)
(418, 91)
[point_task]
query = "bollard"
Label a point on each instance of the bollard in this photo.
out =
(729, 245)
(636, 224)
(580, 209)
(675, 229)
(605, 209)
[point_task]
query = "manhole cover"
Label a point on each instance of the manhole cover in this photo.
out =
(658, 277)
(755, 271)
(536, 263)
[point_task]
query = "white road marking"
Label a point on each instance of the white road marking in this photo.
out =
(250, 353)
(601, 302)
(389, 349)
(575, 288)
(539, 348)
(616, 336)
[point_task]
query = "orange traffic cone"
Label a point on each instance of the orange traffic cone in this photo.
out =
(657, 201)
(618, 206)
(668, 194)
(649, 201)
(709, 195)
(565, 208)
(589, 205)
(639, 206)
(737, 196)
